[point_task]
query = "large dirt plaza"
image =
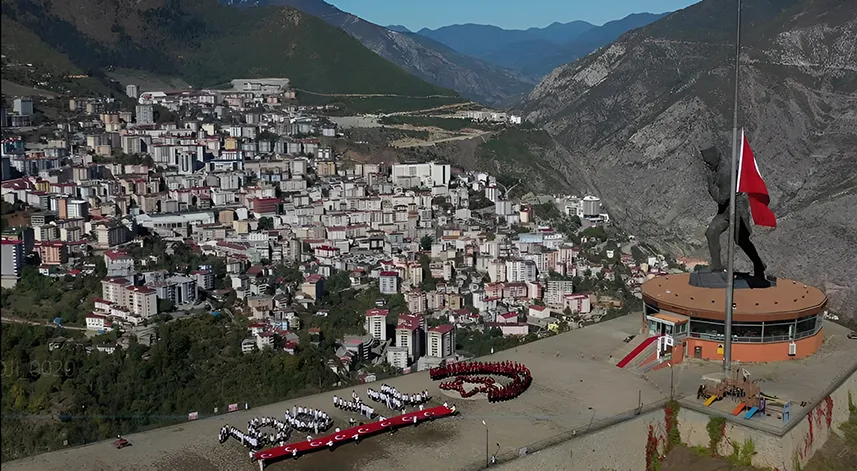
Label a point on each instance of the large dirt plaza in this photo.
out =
(574, 383)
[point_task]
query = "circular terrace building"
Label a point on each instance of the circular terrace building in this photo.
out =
(773, 319)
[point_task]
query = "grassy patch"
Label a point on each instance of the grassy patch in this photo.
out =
(716, 428)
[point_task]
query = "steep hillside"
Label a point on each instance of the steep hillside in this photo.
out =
(206, 44)
(634, 115)
(425, 58)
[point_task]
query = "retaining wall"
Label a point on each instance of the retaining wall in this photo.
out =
(628, 443)
(784, 451)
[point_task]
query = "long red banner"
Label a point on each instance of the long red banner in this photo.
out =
(352, 434)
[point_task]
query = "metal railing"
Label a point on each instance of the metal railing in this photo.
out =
(760, 339)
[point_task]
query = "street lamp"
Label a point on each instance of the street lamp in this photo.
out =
(672, 390)
(487, 458)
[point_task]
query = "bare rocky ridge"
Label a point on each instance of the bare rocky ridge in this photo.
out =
(634, 114)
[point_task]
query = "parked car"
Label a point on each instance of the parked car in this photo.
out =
(852, 335)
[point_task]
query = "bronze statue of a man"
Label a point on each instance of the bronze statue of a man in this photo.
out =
(719, 183)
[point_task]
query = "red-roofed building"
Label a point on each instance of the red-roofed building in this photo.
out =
(266, 206)
(142, 301)
(376, 323)
(410, 332)
(118, 263)
(113, 290)
(539, 312)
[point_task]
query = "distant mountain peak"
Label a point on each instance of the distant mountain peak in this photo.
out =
(399, 28)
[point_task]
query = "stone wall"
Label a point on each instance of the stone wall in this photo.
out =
(632, 443)
(620, 447)
(784, 453)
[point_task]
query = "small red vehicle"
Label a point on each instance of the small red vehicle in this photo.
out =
(120, 443)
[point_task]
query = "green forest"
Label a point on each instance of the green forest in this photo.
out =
(196, 365)
(193, 39)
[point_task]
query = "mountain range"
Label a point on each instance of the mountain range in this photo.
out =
(206, 44)
(632, 117)
(421, 56)
(535, 51)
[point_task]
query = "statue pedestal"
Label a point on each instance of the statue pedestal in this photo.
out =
(773, 319)
(708, 279)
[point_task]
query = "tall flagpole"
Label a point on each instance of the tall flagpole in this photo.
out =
(730, 252)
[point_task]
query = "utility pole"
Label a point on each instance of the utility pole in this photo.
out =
(730, 253)
(487, 457)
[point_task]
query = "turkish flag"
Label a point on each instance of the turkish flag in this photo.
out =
(750, 182)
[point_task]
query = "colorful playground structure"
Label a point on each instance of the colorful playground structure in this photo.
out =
(748, 395)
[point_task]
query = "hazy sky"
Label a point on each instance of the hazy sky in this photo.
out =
(509, 14)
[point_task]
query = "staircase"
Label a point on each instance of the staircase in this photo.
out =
(626, 348)
(639, 353)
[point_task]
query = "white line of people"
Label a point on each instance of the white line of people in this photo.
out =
(396, 400)
(355, 405)
(254, 438)
(305, 419)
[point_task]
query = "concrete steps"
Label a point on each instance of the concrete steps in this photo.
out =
(625, 349)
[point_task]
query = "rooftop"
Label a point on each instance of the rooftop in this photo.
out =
(442, 329)
(786, 300)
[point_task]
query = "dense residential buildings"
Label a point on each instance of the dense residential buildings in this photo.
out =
(244, 180)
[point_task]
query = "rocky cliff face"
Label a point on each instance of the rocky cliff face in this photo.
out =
(634, 114)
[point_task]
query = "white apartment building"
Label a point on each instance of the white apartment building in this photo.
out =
(408, 335)
(577, 303)
(113, 290)
(376, 323)
(497, 271)
(556, 290)
(520, 271)
(388, 283)
(397, 357)
(441, 341)
(11, 261)
(118, 264)
(429, 174)
(142, 301)
(98, 323)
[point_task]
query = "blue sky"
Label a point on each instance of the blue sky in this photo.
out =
(509, 14)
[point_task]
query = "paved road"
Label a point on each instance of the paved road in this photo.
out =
(17, 320)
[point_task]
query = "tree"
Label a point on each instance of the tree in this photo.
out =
(426, 241)
(638, 255)
(165, 305)
(265, 223)
(338, 281)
